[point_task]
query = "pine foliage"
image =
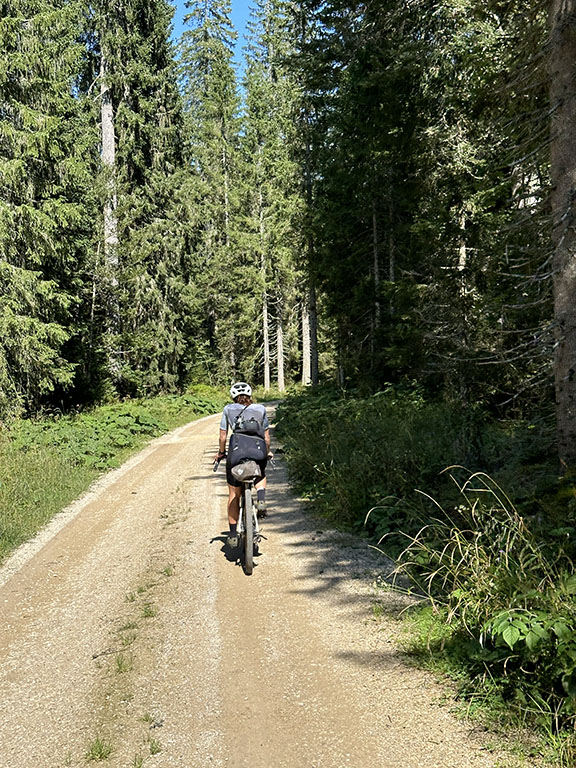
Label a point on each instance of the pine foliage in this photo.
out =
(383, 166)
(429, 189)
(212, 131)
(46, 229)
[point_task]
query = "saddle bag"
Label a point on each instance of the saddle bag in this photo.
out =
(245, 448)
(247, 470)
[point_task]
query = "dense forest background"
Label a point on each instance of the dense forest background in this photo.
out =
(369, 204)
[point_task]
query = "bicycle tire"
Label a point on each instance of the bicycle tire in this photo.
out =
(248, 532)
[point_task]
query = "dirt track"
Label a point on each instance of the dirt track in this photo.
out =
(134, 625)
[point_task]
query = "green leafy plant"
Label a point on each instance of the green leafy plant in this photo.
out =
(509, 606)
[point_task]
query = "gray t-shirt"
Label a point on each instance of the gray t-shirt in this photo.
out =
(233, 410)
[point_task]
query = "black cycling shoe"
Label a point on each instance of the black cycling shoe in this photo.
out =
(261, 511)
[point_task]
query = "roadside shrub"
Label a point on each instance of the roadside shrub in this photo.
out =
(349, 454)
(509, 606)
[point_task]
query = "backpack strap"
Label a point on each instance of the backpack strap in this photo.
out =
(238, 419)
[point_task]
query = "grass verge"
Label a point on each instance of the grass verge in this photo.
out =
(46, 463)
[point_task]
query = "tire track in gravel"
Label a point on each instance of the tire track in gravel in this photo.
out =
(136, 625)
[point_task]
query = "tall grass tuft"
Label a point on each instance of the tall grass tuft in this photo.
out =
(509, 606)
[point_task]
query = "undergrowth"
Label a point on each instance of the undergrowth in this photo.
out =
(349, 454)
(47, 462)
(502, 606)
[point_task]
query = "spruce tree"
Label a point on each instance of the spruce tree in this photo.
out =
(226, 278)
(46, 203)
(270, 179)
(419, 127)
(145, 238)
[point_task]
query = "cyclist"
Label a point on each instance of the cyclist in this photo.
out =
(241, 394)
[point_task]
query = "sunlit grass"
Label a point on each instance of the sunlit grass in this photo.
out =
(34, 486)
(98, 750)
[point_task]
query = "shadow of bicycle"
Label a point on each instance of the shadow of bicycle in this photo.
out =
(233, 554)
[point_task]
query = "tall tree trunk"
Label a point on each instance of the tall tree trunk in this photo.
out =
(280, 354)
(391, 251)
(110, 219)
(266, 334)
(311, 338)
(226, 197)
(313, 317)
(376, 256)
(265, 326)
(563, 174)
(306, 359)
(462, 252)
(109, 163)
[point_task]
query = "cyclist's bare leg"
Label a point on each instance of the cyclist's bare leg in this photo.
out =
(233, 503)
(261, 494)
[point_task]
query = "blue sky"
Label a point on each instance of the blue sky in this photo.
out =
(240, 13)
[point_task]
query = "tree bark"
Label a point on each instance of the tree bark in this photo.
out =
(462, 252)
(226, 197)
(313, 317)
(310, 367)
(266, 334)
(391, 252)
(280, 354)
(376, 255)
(109, 163)
(265, 326)
(306, 359)
(108, 139)
(562, 19)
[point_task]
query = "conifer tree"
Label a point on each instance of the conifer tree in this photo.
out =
(270, 180)
(225, 281)
(144, 197)
(46, 173)
(420, 179)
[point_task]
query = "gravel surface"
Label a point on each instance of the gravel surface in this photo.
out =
(129, 628)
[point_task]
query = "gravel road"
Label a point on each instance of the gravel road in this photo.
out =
(128, 628)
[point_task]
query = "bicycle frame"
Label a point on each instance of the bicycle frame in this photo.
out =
(248, 530)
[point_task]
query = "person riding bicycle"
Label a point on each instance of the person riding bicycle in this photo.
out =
(245, 409)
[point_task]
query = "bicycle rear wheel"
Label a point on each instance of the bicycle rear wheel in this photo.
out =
(248, 532)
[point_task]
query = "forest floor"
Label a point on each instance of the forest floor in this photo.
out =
(131, 635)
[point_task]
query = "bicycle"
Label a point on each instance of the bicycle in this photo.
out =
(247, 472)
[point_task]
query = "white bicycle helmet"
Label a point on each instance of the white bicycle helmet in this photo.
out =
(240, 388)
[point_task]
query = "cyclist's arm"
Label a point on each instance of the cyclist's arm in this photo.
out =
(222, 437)
(267, 440)
(222, 440)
